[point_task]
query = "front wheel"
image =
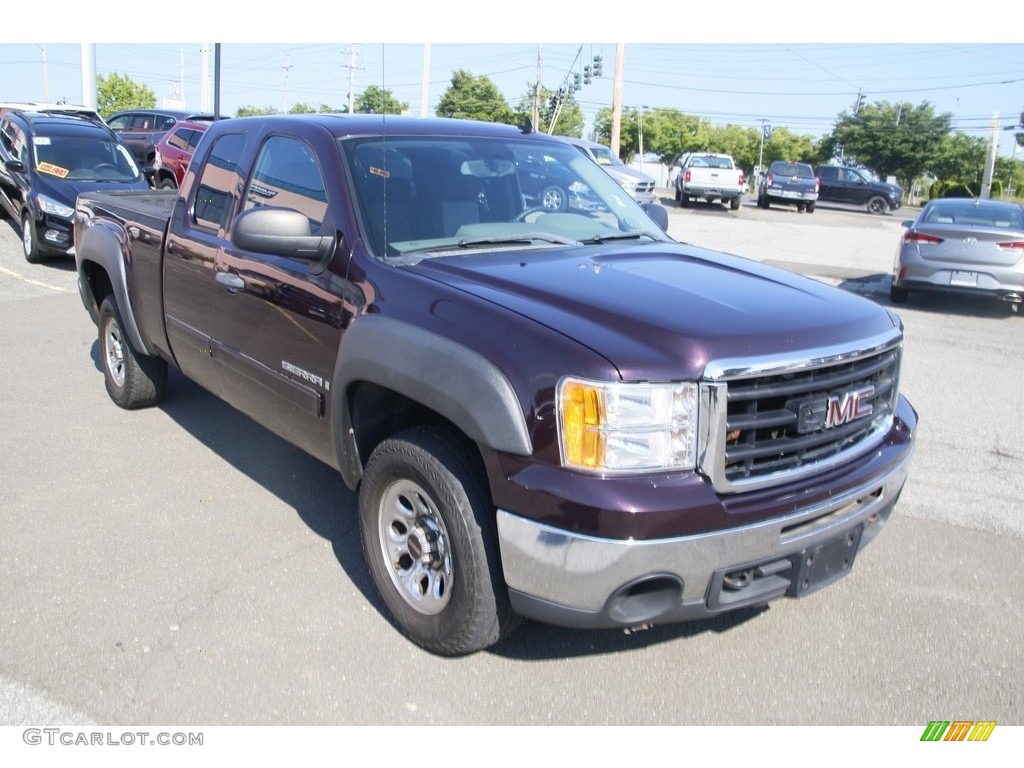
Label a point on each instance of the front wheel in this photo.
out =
(428, 532)
(132, 380)
(166, 182)
(877, 204)
(29, 245)
(553, 199)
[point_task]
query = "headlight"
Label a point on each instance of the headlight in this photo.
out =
(629, 186)
(579, 188)
(635, 427)
(50, 206)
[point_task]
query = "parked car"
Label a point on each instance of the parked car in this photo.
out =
(964, 246)
(790, 184)
(141, 129)
(46, 160)
(50, 107)
(550, 185)
(637, 184)
(711, 176)
(174, 151)
(850, 186)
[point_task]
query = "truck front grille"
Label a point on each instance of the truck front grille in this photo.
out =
(771, 421)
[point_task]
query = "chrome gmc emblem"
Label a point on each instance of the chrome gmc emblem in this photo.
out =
(850, 406)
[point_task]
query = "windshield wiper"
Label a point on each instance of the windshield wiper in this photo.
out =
(635, 234)
(525, 237)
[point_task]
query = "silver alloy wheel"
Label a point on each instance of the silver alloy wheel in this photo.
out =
(415, 546)
(26, 236)
(113, 349)
(553, 199)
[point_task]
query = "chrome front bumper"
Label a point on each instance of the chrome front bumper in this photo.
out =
(571, 579)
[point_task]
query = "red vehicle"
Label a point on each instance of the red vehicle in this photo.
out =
(173, 152)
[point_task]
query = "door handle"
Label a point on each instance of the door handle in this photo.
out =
(232, 281)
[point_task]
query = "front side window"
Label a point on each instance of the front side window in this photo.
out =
(287, 175)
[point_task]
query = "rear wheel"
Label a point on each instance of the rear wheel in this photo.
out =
(132, 380)
(166, 182)
(734, 204)
(428, 532)
(684, 200)
(678, 195)
(810, 207)
(877, 204)
(898, 295)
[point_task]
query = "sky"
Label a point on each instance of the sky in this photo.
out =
(724, 70)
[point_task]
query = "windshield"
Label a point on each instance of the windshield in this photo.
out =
(436, 194)
(83, 158)
(605, 156)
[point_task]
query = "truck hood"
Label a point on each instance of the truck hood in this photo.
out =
(618, 172)
(662, 311)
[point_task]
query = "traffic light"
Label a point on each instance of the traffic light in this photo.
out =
(586, 74)
(576, 81)
(597, 66)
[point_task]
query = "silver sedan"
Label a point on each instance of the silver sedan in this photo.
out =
(963, 246)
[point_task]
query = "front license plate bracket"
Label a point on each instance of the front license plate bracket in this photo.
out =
(827, 562)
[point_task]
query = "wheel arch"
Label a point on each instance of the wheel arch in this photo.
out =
(101, 272)
(391, 375)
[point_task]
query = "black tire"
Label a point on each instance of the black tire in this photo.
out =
(898, 295)
(767, 202)
(429, 538)
(132, 380)
(678, 194)
(29, 244)
(166, 182)
(801, 207)
(810, 207)
(554, 199)
(877, 205)
(684, 200)
(734, 204)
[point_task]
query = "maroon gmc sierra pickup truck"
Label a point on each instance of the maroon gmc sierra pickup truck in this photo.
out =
(552, 411)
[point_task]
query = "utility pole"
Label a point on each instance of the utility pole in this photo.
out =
(990, 159)
(204, 98)
(89, 75)
(535, 117)
(287, 66)
(425, 87)
(351, 66)
(46, 74)
(616, 137)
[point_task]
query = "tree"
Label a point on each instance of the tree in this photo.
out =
(892, 139)
(474, 98)
(379, 101)
(115, 93)
(570, 120)
(960, 158)
(247, 110)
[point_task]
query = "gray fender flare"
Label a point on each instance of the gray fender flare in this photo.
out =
(445, 376)
(104, 246)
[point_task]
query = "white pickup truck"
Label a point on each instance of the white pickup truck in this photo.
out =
(710, 176)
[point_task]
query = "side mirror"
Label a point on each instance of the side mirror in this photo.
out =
(658, 215)
(279, 232)
(14, 165)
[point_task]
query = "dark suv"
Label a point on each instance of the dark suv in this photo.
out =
(141, 129)
(45, 161)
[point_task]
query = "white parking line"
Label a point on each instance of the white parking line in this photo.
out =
(24, 279)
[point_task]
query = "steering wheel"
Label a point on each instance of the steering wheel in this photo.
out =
(523, 215)
(105, 167)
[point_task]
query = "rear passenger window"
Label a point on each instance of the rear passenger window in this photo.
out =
(220, 179)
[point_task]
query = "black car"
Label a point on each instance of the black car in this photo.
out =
(142, 129)
(45, 161)
(548, 184)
